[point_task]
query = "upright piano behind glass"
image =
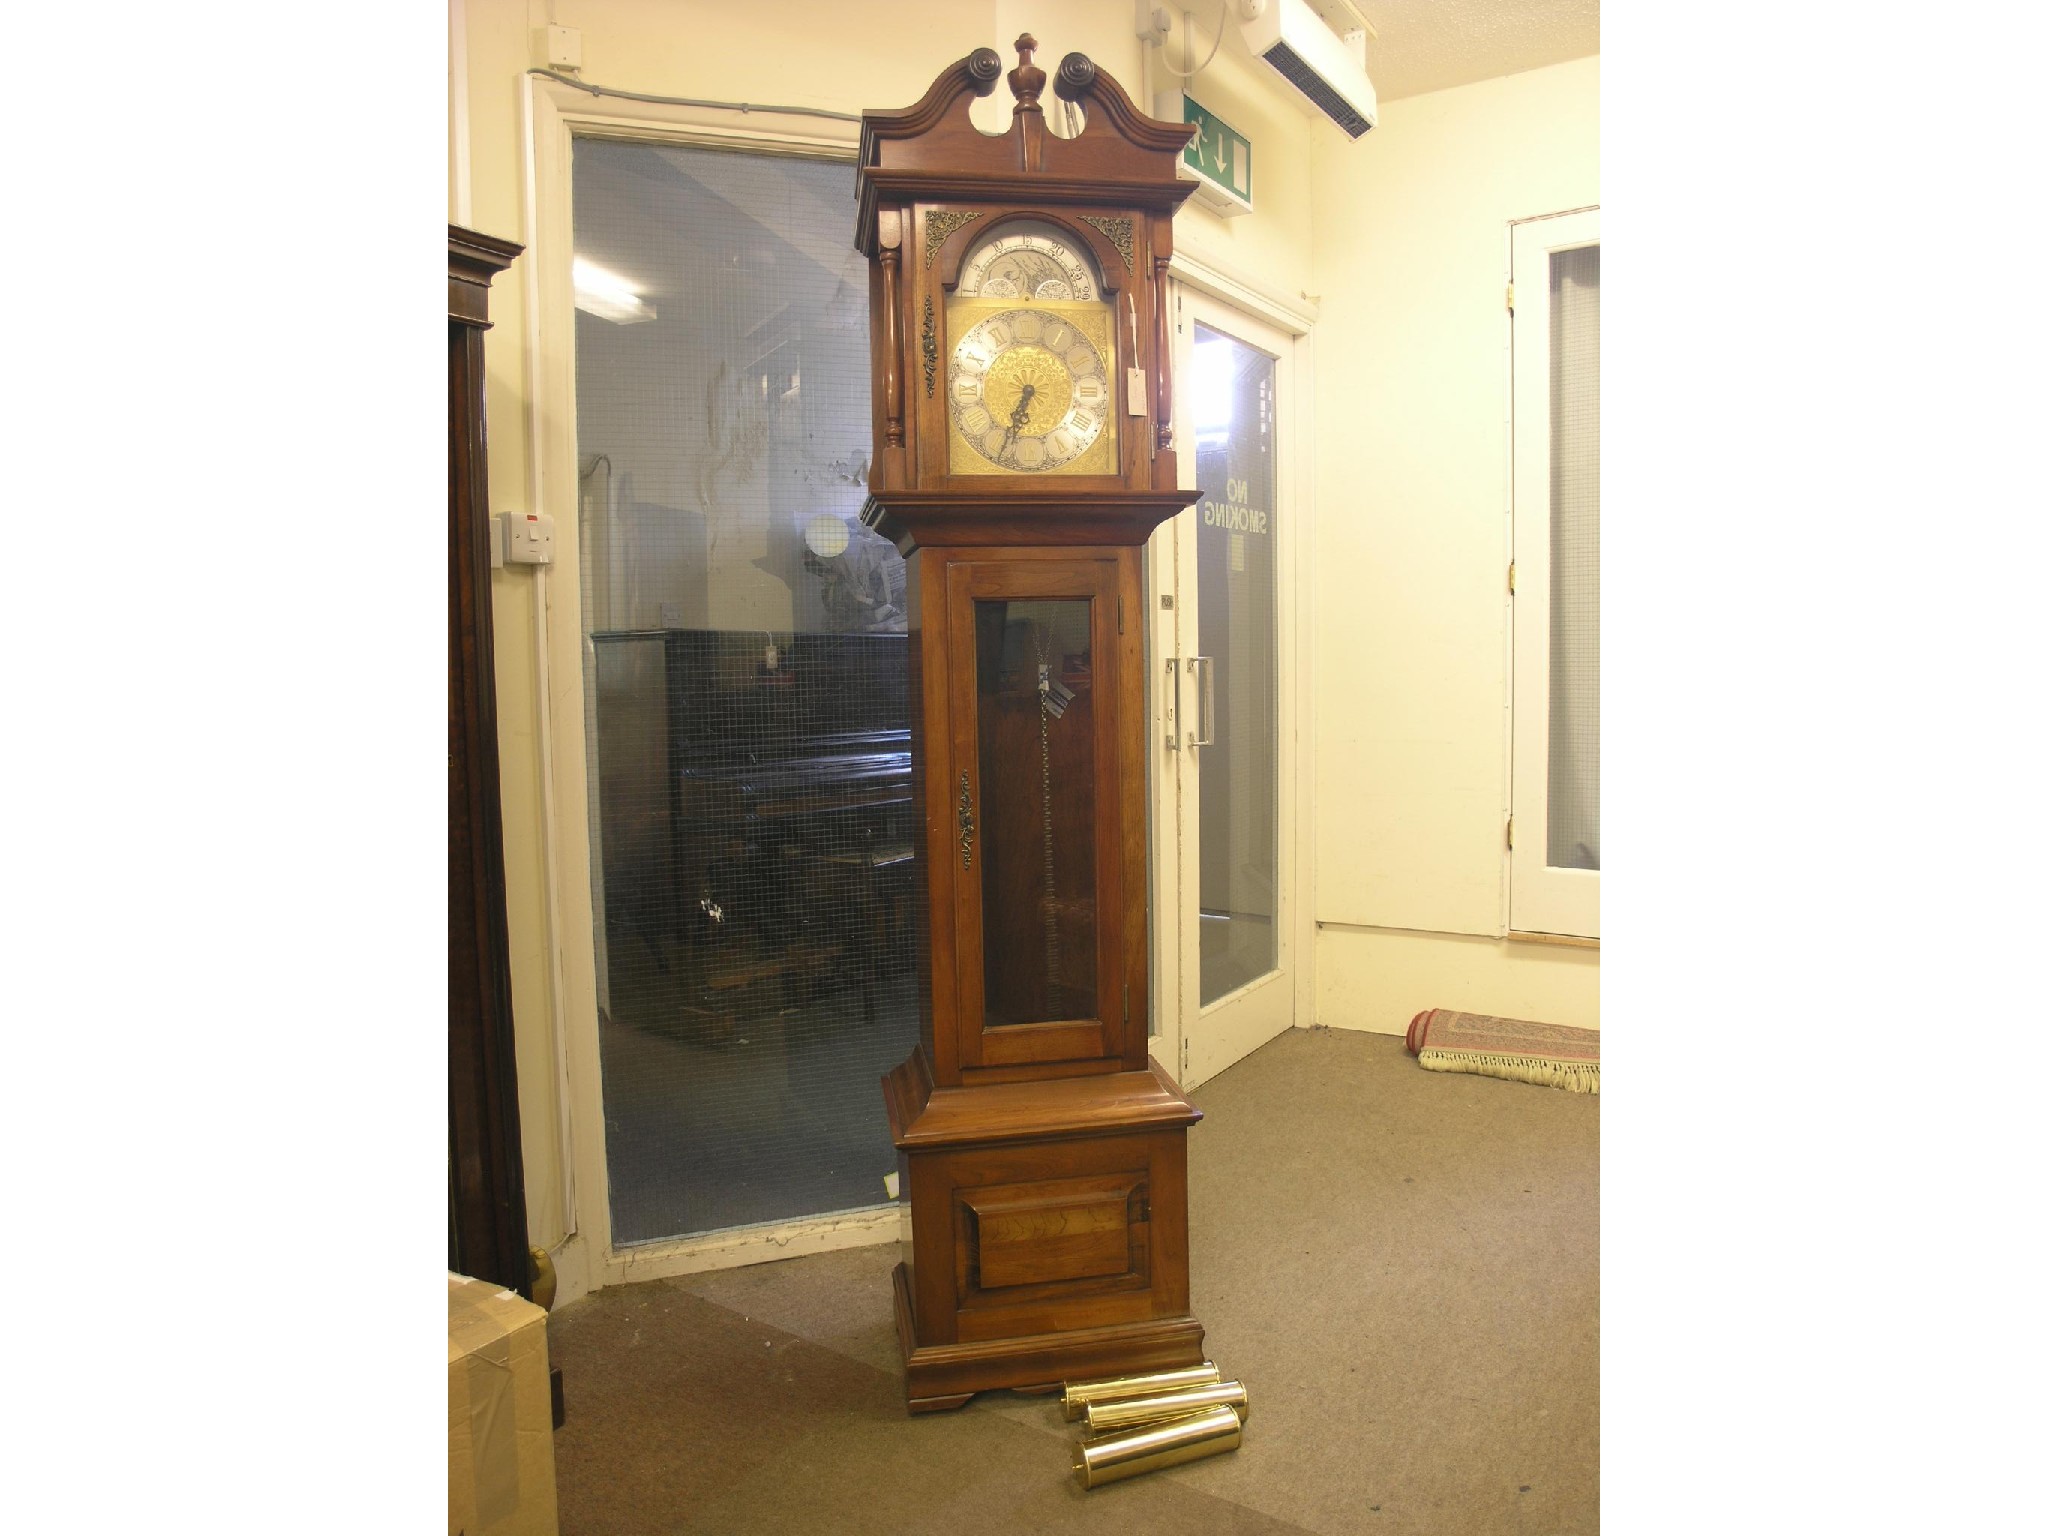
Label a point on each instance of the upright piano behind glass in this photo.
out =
(774, 869)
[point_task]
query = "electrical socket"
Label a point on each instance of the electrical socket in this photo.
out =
(526, 538)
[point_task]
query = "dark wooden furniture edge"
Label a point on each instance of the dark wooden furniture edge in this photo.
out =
(487, 1218)
(473, 260)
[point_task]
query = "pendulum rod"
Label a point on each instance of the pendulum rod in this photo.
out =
(1049, 913)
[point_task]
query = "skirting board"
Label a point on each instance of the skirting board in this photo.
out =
(754, 1245)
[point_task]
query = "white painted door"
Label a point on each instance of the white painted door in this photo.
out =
(1225, 688)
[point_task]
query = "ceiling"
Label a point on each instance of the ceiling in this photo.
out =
(1429, 45)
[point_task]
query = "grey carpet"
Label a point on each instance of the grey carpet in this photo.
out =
(1402, 1266)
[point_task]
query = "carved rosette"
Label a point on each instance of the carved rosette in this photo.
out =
(1117, 232)
(929, 344)
(939, 226)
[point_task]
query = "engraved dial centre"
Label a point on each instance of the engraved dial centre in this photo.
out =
(1052, 389)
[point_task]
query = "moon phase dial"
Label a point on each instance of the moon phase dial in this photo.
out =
(1028, 390)
(1028, 261)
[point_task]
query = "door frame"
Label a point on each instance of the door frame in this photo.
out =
(586, 1258)
(1181, 1043)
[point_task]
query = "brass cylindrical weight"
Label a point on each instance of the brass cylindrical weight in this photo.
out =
(1166, 1444)
(1130, 1412)
(1079, 1394)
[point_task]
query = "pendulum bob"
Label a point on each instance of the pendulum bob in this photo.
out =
(1165, 1444)
(1101, 1418)
(1076, 1396)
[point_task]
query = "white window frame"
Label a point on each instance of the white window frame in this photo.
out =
(1542, 900)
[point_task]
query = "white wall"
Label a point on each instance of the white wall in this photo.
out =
(1410, 260)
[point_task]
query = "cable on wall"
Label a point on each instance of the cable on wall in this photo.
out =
(1188, 24)
(690, 101)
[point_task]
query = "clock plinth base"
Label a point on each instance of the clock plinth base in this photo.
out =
(1048, 1231)
(945, 1376)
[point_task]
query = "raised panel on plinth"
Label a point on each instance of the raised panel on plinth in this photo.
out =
(1061, 1236)
(1027, 1241)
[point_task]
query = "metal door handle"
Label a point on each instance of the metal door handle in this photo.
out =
(1204, 734)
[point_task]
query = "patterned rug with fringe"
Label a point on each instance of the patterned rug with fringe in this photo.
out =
(1555, 1055)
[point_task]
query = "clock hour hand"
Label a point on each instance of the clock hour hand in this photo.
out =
(1018, 418)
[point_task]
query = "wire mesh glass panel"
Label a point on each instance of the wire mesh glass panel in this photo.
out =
(1232, 405)
(747, 692)
(1574, 809)
(1034, 707)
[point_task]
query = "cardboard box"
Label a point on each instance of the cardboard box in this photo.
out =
(501, 1432)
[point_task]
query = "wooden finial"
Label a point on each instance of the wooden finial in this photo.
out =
(1027, 79)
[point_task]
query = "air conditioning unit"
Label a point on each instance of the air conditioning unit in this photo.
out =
(1313, 59)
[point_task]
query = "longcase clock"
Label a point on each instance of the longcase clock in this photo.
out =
(1023, 455)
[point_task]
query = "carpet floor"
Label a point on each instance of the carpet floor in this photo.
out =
(1402, 1266)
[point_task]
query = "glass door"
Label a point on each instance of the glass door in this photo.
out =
(1034, 737)
(1225, 607)
(747, 682)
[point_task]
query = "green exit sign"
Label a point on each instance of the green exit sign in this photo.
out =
(1220, 157)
